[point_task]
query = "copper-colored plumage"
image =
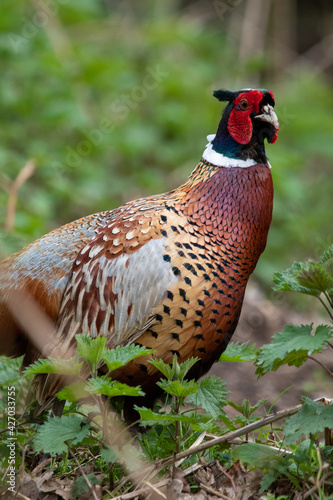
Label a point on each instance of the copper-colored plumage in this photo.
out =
(167, 272)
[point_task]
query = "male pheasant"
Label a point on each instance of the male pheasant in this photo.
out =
(167, 272)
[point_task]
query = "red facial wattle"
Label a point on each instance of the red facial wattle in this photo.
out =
(275, 136)
(240, 124)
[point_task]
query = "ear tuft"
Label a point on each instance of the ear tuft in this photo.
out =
(224, 95)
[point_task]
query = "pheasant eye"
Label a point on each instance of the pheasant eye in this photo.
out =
(243, 104)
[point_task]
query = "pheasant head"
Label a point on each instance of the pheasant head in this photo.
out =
(248, 119)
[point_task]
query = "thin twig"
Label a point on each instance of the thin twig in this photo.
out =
(213, 492)
(326, 307)
(90, 486)
(22, 176)
(321, 364)
(20, 495)
(231, 479)
(329, 298)
(154, 488)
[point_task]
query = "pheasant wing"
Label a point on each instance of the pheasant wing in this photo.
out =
(118, 280)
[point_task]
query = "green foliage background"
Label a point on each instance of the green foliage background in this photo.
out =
(69, 68)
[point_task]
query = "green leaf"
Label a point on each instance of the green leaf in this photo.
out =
(179, 389)
(149, 417)
(313, 417)
(176, 371)
(111, 388)
(327, 255)
(230, 424)
(52, 436)
(109, 455)
(292, 346)
(236, 353)
(302, 454)
(327, 260)
(211, 395)
(315, 277)
(9, 370)
(80, 485)
(55, 365)
(286, 281)
(245, 408)
(266, 481)
(91, 350)
(309, 277)
(261, 456)
(121, 355)
(164, 368)
(73, 392)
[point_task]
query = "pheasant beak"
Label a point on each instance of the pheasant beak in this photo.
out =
(269, 116)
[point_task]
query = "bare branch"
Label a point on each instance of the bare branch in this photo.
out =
(323, 366)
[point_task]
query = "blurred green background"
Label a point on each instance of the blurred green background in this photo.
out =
(112, 100)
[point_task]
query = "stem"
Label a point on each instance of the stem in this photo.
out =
(229, 476)
(90, 486)
(326, 307)
(177, 406)
(329, 299)
(172, 437)
(323, 366)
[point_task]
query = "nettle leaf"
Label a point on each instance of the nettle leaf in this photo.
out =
(164, 368)
(120, 356)
(315, 277)
(179, 389)
(91, 350)
(292, 346)
(9, 370)
(327, 260)
(311, 277)
(236, 353)
(176, 371)
(302, 455)
(287, 281)
(313, 417)
(111, 388)
(70, 366)
(52, 436)
(327, 256)
(266, 481)
(149, 417)
(245, 408)
(80, 485)
(109, 455)
(261, 456)
(211, 396)
(73, 392)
